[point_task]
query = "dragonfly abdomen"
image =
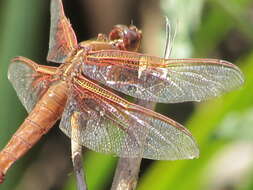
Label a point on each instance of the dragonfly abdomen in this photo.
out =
(40, 120)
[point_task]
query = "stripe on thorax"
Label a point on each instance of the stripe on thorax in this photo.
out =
(101, 92)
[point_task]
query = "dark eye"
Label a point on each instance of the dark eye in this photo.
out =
(131, 39)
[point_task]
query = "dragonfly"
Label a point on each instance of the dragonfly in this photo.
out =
(80, 92)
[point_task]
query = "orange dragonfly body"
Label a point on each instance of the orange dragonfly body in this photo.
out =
(108, 123)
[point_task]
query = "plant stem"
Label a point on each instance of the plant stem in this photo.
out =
(76, 150)
(77, 165)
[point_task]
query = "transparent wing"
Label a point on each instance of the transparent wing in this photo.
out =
(162, 80)
(62, 36)
(107, 127)
(28, 83)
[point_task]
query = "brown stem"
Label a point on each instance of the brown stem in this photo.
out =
(79, 171)
(76, 150)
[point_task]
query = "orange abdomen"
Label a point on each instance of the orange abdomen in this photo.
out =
(41, 119)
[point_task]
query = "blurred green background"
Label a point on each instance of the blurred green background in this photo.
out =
(222, 127)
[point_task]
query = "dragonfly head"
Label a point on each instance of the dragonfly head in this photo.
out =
(126, 37)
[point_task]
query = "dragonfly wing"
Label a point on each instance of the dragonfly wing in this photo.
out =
(159, 80)
(62, 36)
(110, 128)
(27, 82)
(201, 79)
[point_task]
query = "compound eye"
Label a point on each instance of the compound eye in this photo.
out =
(131, 40)
(117, 32)
(133, 28)
(128, 38)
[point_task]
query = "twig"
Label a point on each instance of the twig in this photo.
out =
(77, 164)
(127, 171)
(126, 175)
(76, 150)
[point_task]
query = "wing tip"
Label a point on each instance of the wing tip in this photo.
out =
(240, 75)
(56, 6)
(195, 154)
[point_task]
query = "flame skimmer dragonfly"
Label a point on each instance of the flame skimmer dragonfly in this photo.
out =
(108, 123)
